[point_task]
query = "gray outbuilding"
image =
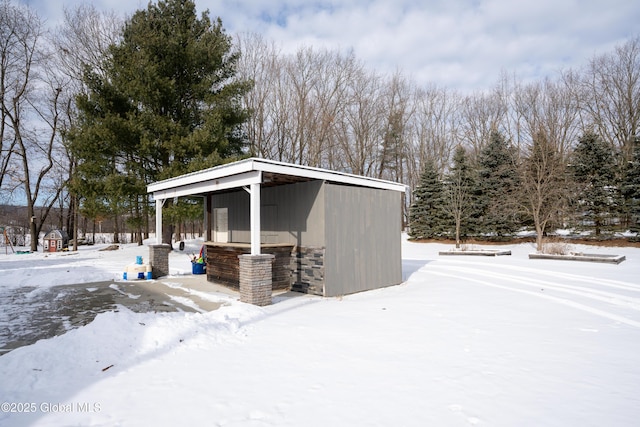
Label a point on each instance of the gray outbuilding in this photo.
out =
(327, 233)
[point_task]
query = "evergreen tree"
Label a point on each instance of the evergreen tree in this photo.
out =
(460, 185)
(593, 171)
(426, 214)
(497, 184)
(165, 102)
(630, 188)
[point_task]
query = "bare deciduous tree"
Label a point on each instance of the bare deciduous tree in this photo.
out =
(611, 95)
(549, 107)
(84, 38)
(260, 64)
(459, 187)
(29, 103)
(80, 43)
(481, 114)
(434, 131)
(10, 72)
(326, 109)
(543, 185)
(399, 108)
(358, 126)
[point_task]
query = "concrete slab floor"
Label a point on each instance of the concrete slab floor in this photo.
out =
(29, 314)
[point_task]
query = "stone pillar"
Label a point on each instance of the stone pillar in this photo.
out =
(159, 259)
(255, 279)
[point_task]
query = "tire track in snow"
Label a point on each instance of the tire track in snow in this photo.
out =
(617, 284)
(595, 294)
(564, 301)
(590, 294)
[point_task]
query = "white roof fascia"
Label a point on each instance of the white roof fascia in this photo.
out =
(200, 176)
(201, 181)
(208, 186)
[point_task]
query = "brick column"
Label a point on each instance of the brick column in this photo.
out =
(255, 279)
(159, 259)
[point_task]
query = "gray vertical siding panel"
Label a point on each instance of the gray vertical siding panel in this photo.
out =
(299, 208)
(238, 204)
(359, 227)
(363, 239)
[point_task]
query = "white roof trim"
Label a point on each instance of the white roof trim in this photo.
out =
(243, 172)
(218, 184)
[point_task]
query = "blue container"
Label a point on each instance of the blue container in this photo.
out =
(139, 260)
(197, 268)
(149, 275)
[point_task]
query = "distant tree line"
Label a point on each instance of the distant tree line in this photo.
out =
(506, 191)
(559, 152)
(94, 110)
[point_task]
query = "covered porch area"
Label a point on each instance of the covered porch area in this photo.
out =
(272, 225)
(245, 267)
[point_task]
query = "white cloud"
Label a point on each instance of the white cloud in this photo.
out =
(462, 44)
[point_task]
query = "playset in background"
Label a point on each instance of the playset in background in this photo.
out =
(6, 242)
(137, 270)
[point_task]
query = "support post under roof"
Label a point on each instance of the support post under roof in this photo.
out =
(255, 219)
(159, 204)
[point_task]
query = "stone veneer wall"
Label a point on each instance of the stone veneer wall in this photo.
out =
(255, 279)
(307, 267)
(159, 259)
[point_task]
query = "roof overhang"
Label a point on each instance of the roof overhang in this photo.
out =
(187, 187)
(257, 171)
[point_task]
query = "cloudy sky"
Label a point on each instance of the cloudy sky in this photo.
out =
(459, 44)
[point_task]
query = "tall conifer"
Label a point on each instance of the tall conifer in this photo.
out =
(426, 213)
(631, 188)
(593, 170)
(165, 102)
(497, 184)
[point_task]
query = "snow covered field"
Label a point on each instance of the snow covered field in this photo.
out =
(495, 341)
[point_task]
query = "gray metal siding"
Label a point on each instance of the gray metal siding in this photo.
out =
(363, 239)
(291, 214)
(300, 219)
(238, 220)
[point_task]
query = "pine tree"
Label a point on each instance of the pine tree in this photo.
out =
(426, 213)
(593, 171)
(165, 102)
(630, 188)
(497, 184)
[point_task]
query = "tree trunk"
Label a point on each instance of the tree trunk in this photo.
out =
(116, 229)
(167, 234)
(32, 229)
(74, 201)
(539, 234)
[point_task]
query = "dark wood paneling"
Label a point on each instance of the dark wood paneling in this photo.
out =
(223, 266)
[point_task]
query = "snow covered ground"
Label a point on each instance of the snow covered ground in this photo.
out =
(495, 341)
